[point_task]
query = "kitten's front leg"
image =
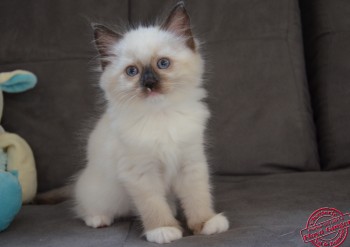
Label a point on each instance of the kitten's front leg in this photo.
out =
(193, 190)
(148, 193)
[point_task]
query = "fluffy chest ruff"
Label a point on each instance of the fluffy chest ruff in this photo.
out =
(158, 139)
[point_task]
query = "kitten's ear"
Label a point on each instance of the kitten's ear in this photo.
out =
(105, 38)
(178, 22)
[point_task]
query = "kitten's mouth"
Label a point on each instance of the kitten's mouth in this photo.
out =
(151, 91)
(151, 88)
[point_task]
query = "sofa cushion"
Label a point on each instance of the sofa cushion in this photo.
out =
(265, 211)
(55, 30)
(261, 116)
(327, 39)
(262, 120)
(55, 226)
(53, 39)
(53, 117)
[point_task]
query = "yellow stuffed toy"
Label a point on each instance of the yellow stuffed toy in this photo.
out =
(19, 155)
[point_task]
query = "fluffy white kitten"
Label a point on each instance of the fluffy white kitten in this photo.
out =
(149, 146)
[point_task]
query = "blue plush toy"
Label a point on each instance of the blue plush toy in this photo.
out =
(10, 193)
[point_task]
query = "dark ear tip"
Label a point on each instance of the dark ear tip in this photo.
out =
(180, 4)
(94, 25)
(97, 26)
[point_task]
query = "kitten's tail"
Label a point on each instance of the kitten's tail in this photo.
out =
(55, 196)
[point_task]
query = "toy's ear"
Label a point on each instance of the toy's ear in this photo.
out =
(17, 81)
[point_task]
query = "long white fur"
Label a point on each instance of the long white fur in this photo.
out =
(143, 150)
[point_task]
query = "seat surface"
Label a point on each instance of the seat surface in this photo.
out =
(258, 207)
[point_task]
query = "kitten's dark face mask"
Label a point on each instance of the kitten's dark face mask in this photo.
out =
(150, 80)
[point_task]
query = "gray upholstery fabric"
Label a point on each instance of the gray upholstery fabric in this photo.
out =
(327, 39)
(56, 226)
(48, 117)
(262, 120)
(261, 116)
(264, 211)
(53, 39)
(56, 30)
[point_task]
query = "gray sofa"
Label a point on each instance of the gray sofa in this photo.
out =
(278, 77)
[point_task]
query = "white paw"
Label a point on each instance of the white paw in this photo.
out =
(216, 224)
(98, 221)
(163, 235)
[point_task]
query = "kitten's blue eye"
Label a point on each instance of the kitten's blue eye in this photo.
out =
(163, 63)
(132, 71)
